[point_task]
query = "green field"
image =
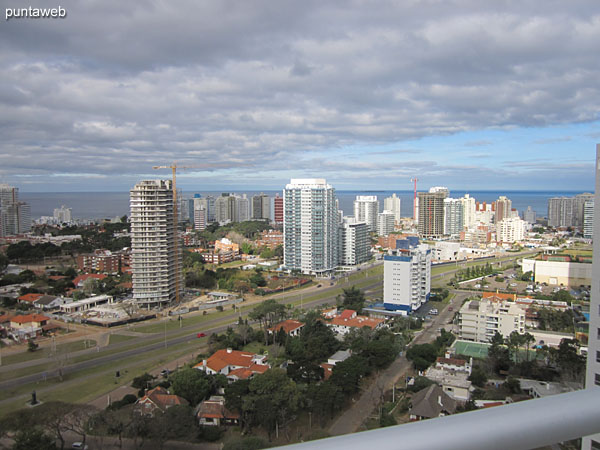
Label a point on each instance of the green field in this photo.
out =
(47, 352)
(473, 349)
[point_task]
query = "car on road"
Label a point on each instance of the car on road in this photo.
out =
(450, 308)
(433, 312)
(513, 284)
(201, 335)
(164, 373)
(79, 445)
(319, 285)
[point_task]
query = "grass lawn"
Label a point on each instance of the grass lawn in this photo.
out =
(117, 338)
(46, 352)
(92, 383)
(255, 347)
(172, 323)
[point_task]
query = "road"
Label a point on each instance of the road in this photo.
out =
(170, 338)
(351, 419)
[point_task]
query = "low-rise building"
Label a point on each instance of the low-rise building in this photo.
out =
(559, 270)
(290, 327)
(81, 279)
(431, 402)
(212, 412)
(348, 319)
(157, 400)
(270, 239)
(480, 320)
(226, 245)
(105, 261)
(48, 302)
(234, 364)
(86, 303)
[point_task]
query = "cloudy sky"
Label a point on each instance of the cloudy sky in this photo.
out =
(469, 94)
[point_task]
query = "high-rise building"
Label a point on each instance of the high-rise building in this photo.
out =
(529, 215)
(63, 214)
(278, 209)
(503, 208)
(431, 212)
(453, 216)
(15, 216)
(567, 211)
(588, 219)
(385, 223)
(366, 208)
(406, 276)
(155, 257)
(200, 218)
(225, 209)
(592, 378)
(510, 230)
(261, 207)
(310, 227)
(468, 203)
(393, 204)
(353, 242)
(242, 208)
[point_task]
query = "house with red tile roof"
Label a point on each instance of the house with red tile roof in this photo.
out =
(290, 327)
(78, 281)
(348, 319)
(28, 321)
(212, 412)
(157, 400)
(234, 364)
(29, 298)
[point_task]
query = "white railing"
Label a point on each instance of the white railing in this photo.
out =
(517, 426)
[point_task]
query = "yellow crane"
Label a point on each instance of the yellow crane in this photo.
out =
(174, 168)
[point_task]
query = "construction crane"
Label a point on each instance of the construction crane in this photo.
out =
(414, 180)
(174, 168)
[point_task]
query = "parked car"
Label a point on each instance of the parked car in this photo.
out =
(201, 335)
(450, 308)
(79, 445)
(164, 373)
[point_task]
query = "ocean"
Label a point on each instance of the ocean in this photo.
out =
(107, 205)
(104, 205)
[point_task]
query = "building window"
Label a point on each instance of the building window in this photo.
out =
(597, 379)
(595, 445)
(597, 356)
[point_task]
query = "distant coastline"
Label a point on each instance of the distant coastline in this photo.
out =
(100, 205)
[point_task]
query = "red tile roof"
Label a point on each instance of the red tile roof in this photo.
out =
(287, 325)
(358, 322)
(86, 276)
(29, 318)
(56, 277)
(246, 372)
(5, 318)
(226, 357)
(452, 361)
(30, 298)
(161, 398)
(347, 314)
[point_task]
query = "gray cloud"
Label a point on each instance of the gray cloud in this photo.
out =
(271, 87)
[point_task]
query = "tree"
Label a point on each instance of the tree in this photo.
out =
(528, 339)
(498, 354)
(31, 346)
(273, 400)
(422, 356)
(33, 438)
(192, 384)
(143, 381)
(348, 373)
(569, 362)
(268, 313)
(478, 377)
(353, 298)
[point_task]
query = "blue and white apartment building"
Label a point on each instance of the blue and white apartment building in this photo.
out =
(406, 276)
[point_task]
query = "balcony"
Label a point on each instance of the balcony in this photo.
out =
(517, 426)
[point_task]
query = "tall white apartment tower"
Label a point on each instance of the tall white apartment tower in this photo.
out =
(453, 216)
(406, 276)
(592, 376)
(310, 226)
(468, 211)
(154, 262)
(393, 204)
(354, 243)
(366, 208)
(385, 223)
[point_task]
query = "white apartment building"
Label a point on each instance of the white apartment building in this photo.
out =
(511, 230)
(479, 320)
(366, 208)
(63, 214)
(406, 278)
(393, 204)
(468, 203)
(385, 223)
(200, 218)
(310, 227)
(588, 219)
(557, 273)
(354, 242)
(453, 216)
(155, 261)
(15, 216)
